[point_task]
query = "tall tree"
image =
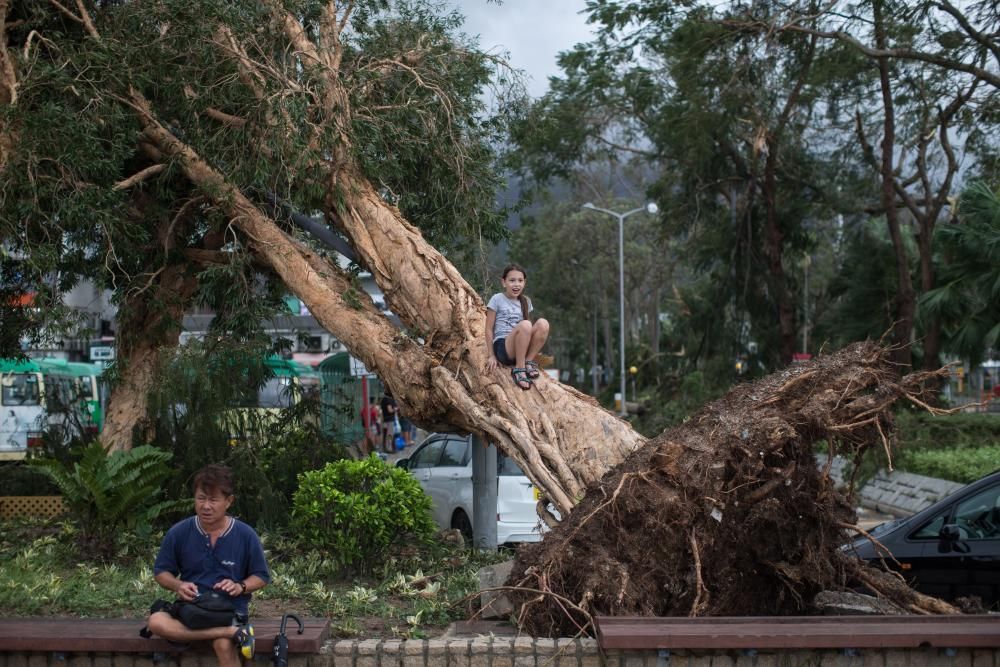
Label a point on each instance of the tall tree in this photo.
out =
(937, 77)
(721, 116)
(967, 302)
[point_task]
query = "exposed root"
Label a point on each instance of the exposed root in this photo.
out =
(698, 605)
(728, 514)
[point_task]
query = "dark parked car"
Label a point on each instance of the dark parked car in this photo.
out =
(949, 550)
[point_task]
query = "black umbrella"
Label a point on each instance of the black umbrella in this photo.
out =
(280, 652)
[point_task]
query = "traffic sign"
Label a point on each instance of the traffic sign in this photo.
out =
(102, 353)
(358, 368)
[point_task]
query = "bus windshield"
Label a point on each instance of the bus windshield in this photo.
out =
(20, 389)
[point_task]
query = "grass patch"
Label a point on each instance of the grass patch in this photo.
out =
(415, 592)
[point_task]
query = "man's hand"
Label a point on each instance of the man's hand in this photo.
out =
(491, 363)
(230, 587)
(187, 591)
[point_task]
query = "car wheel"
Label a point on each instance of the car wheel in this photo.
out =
(461, 521)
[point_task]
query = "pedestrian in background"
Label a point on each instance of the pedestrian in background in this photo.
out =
(371, 422)
(388, 404)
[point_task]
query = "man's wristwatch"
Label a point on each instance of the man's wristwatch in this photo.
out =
(243, 586)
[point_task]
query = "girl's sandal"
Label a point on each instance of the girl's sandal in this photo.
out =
(521, 378)
(532, 368)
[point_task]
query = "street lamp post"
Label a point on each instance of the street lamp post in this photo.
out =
(649, 208)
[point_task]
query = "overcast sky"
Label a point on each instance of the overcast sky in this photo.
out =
(533, 32)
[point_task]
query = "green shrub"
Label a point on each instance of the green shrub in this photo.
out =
(110, 495)
(919, 430)
(19, 479)
(357, 510)
(958, 465)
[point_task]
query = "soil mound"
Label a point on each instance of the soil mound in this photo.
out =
(728, 514)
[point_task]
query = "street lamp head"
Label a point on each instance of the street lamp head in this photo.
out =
(589, 205)
(652, 208)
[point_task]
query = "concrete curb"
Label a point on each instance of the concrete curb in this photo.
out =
(531, 652)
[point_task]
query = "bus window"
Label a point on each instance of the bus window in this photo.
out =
(276, 393)
(20, 389)
(310, 387)
(60, 393)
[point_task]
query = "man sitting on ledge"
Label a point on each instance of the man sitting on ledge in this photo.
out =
(211, 551)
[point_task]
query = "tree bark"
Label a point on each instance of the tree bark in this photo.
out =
(775, 244)
(905, 297)
(8, 83)
(654, 322)
(153, 323)
(562, 439)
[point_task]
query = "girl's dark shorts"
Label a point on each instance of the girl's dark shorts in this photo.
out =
(500, 352)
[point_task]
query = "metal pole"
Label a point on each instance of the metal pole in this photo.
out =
(621, 302)
(484, 495)
(650, 208)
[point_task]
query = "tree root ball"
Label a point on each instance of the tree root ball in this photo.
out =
(727, 514)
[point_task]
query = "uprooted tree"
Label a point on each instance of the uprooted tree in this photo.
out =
(727, 514)
(156, 148)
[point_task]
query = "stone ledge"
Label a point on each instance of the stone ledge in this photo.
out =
(497, 652)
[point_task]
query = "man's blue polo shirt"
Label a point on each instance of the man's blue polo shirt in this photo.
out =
(187, 552)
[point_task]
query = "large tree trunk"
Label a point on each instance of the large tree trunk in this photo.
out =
(775, 250)
(932, 334)
(562, 439)
(152, 324)
(905, 297)
(8, 82)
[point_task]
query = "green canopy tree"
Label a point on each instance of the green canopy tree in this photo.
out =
(935, 74)
(968, 298)
(722, 117)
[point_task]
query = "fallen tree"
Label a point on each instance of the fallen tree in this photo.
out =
(213, 109)
(727, 514)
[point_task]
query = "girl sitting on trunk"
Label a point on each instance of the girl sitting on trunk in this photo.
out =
(513, 340)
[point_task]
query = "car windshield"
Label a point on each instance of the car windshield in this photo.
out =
(884, 528)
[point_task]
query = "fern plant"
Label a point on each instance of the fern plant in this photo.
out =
(109, 495)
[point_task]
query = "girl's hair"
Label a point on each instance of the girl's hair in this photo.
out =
(520, 297)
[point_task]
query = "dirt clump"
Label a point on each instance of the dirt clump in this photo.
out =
(727, 514)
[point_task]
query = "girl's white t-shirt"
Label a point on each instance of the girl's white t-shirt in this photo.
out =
(508, 314)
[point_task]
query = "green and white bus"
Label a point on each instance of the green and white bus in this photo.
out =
(39, 395)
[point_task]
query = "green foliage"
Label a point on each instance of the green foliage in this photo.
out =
(110, 494)
(43, 576)
(860, 296)
(958, 465)
(357, 510)
(919, 430)
(968, 297)
(20, 479)
(947, 446)
(419, 130)
(677, 401)
(201, 418)
(750, 139)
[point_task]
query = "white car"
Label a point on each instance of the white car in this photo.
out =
(442, 464)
